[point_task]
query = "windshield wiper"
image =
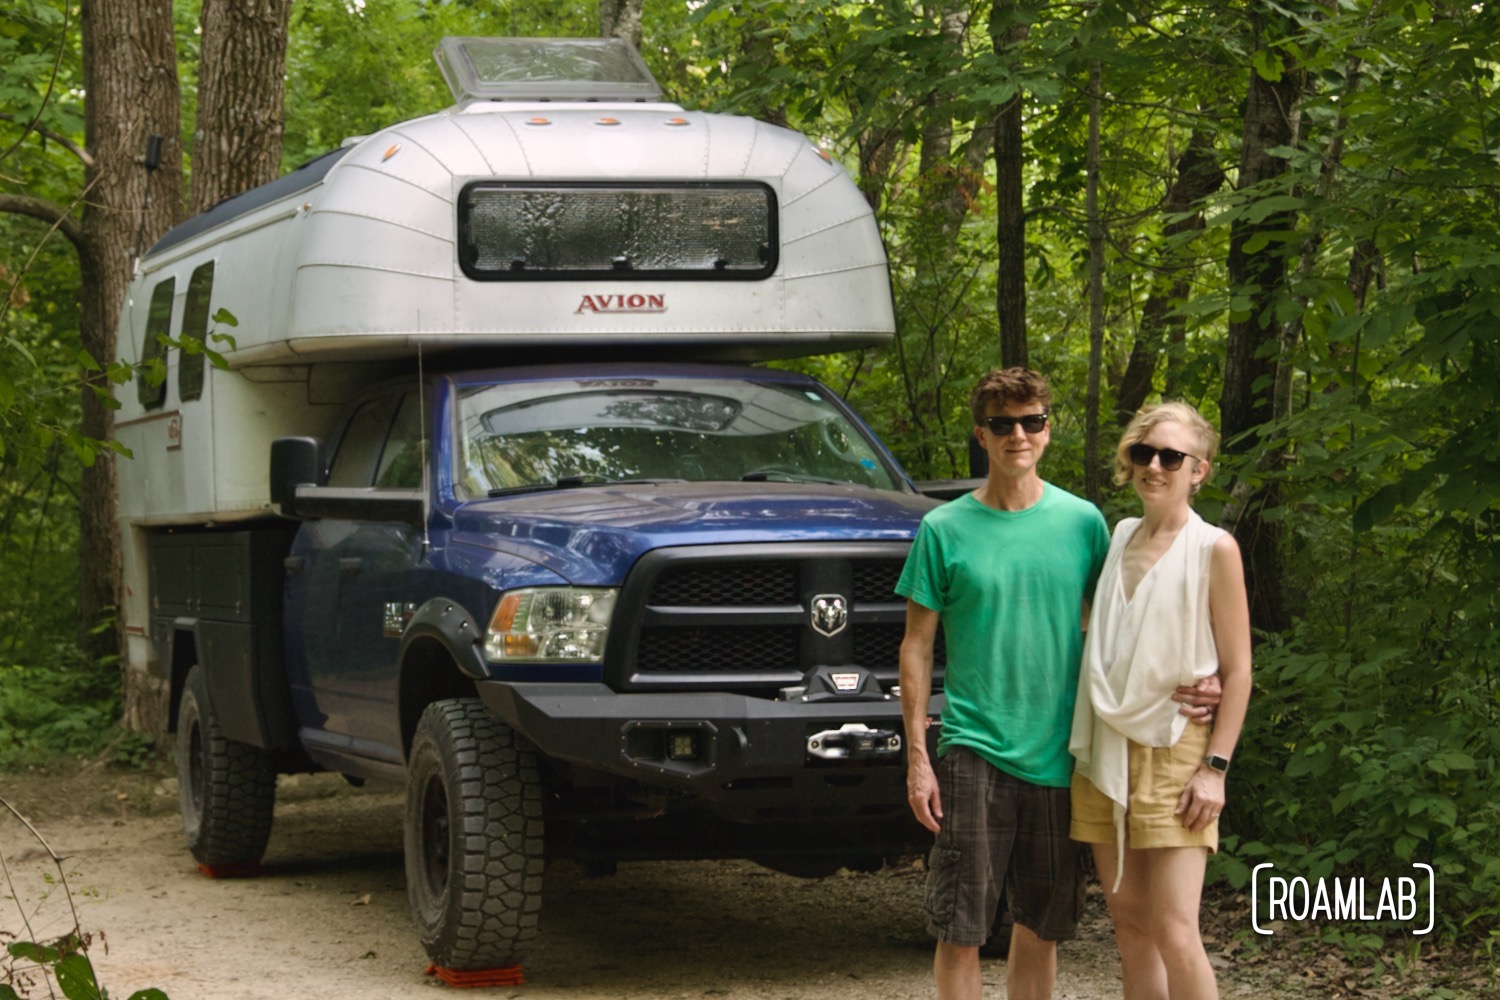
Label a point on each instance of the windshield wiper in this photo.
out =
(575, 482)
(766, 475)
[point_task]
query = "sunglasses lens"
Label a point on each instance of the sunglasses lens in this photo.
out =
(1034, 423)
(1001, 425)
(1142, 454)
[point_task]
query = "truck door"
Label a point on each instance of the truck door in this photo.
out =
(355, 580)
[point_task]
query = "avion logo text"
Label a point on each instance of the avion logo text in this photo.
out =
(637, 303)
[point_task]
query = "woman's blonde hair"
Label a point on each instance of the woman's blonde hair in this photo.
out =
(1171, 412)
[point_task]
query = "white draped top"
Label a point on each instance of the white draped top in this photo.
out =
(1138, 650)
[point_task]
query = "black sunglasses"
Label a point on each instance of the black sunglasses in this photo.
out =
(1032, 423)
(1171, 458)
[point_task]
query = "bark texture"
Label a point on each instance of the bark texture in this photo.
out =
(1010, 214)
(1198, 176)
(621, 19)
(238, 135)
(1250, 363)
(1093, 470)
(130, 75)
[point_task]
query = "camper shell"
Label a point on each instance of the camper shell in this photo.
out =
(328, 525)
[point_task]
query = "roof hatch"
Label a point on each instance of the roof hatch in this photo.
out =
(544, 69)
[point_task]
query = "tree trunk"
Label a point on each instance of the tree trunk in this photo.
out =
(237, 141)
(1010, 213)
(621, 19)
(1198, 176)
(1250, 355)
(130, 76)
(1093, 471)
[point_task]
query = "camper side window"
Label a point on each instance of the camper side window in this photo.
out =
(150, 380)
(194, 332)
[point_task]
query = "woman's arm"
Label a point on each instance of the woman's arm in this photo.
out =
(1229, 613)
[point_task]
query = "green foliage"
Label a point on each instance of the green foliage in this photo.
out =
(73, 971)
(62, 704)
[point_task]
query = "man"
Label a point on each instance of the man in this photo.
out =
(1007, 570)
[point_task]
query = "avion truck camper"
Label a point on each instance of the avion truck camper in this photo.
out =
(492, 499)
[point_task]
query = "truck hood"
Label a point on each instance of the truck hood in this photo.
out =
(593, 535)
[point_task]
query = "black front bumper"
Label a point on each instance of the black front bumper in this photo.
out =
(743, 758)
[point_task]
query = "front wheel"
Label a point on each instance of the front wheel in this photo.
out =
(227, 790)
(473, 834)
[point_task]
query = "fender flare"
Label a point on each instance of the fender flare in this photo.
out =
(449, 623)
(244, 684)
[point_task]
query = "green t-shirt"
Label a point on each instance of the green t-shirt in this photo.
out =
(1010, 587)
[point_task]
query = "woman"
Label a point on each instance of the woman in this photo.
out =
(1170, 609)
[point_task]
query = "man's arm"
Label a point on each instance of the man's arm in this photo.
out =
(1199, 700)
(916, 691)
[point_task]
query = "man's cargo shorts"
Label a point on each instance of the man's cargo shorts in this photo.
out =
(999, 830)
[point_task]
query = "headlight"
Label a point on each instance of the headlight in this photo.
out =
(550, 623)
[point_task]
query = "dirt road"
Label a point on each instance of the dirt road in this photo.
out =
(329, 919)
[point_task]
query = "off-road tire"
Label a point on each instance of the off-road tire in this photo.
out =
(227, 790)
(474, 858)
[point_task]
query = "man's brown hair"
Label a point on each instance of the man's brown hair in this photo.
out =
(1007, 386)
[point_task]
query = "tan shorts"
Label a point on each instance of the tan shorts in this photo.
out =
(1157, 777)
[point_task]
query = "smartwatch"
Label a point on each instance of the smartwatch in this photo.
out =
(1220, 764)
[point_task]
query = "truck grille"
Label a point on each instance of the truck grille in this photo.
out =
(739, 617)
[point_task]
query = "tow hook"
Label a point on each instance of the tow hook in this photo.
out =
(854, 741)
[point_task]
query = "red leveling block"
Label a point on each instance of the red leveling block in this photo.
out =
(505, 975)
(242, 870)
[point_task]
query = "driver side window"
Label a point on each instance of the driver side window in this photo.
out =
(382, 446)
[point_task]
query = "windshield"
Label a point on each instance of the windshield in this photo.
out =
(528, 434)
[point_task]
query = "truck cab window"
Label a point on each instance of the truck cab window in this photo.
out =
(359, 448)
(401, 461)
(150, 383)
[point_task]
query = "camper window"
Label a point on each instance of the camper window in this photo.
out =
(194, 332)
(150, 380)
(528, 232)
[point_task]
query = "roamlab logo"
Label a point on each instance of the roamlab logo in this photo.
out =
(637, 303)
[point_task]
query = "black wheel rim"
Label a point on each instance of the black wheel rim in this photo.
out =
(435, 835)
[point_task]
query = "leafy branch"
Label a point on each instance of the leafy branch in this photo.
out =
(66, 958)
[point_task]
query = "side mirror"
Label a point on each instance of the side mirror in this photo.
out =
(295, 461)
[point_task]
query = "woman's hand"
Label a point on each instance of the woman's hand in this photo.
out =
(1202, 800)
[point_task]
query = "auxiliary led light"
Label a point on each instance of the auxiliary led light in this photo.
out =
(682, 746)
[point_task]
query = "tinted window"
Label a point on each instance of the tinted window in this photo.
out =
(401, 461)
(195, 332)
(359, 448)
(158, 328)
(526, 232)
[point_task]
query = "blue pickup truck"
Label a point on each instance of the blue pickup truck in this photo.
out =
(491, 495)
